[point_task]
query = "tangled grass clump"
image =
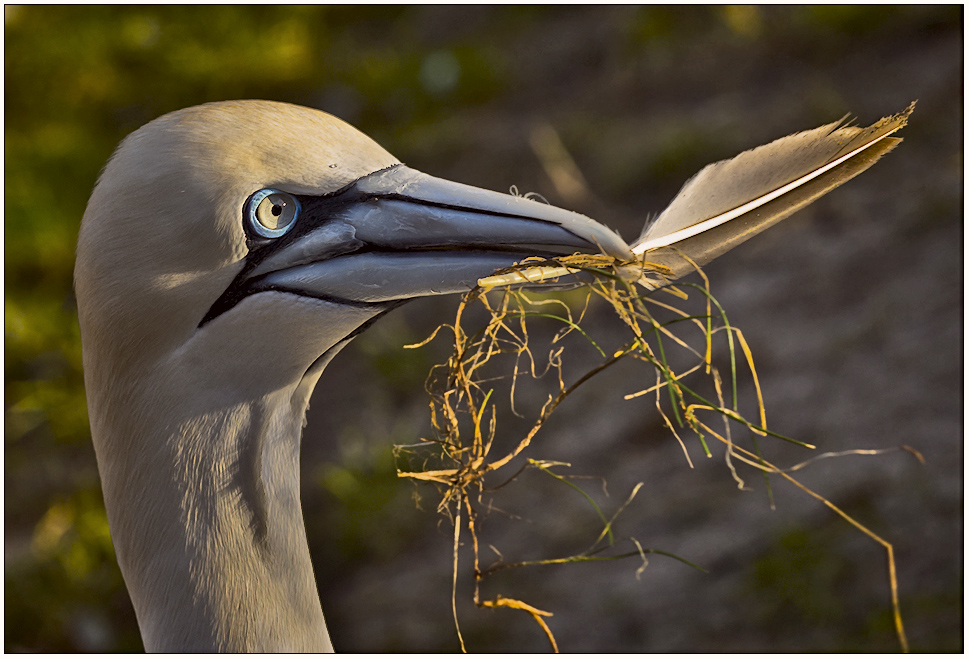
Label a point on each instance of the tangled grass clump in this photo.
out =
(462, 460)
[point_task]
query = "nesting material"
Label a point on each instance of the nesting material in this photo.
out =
(461, 460)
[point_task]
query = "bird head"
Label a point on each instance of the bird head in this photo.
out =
(275, 232)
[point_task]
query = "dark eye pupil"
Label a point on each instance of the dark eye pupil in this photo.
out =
(271, 213)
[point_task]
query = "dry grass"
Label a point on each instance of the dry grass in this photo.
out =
(461, 458)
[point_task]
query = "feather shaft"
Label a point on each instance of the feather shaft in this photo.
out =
(700, 227)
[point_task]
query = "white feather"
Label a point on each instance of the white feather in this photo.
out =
(729, 189)
(730, 201)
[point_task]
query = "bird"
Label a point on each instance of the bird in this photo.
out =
(230, 250)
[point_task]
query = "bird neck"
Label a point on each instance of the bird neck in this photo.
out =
(210, 536)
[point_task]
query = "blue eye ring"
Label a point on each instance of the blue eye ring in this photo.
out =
(271, 213)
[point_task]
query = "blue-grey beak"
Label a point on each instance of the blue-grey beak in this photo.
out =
(399, 234)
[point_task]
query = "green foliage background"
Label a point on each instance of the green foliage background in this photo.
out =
(451, 91)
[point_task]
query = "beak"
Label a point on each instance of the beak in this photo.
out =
(399, 234)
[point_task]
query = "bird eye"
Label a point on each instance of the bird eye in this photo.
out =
(272, 213)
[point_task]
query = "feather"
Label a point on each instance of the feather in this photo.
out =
(732, 200)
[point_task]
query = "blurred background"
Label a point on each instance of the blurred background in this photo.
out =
(853, 310)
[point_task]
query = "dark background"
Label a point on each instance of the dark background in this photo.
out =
(853, 309)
